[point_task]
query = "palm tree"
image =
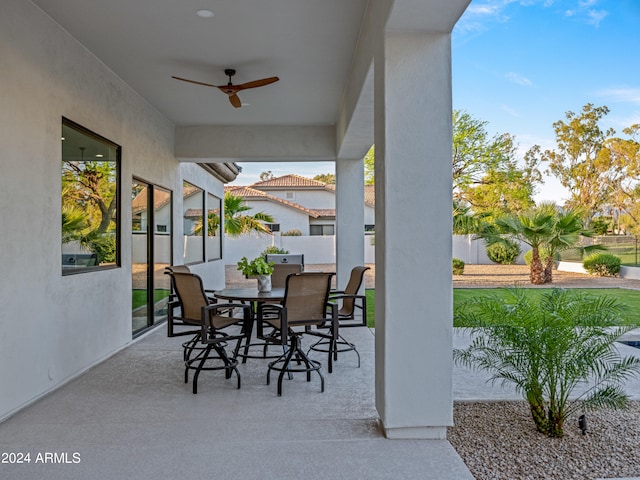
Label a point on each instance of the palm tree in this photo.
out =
(533, 227)
(568, 227)
(548, 346)
(236, 223)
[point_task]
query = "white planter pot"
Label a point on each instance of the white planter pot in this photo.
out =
(264, 283)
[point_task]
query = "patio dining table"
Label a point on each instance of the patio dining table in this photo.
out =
(254, 297)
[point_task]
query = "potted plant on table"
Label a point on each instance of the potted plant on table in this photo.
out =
(258, 268)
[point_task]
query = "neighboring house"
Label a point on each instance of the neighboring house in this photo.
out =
(299, 203)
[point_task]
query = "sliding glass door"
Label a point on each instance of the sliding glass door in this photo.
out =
(151, 252)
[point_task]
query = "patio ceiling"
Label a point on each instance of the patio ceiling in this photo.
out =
(320, 49)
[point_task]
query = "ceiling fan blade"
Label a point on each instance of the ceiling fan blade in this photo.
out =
(257, 83)
(235, 100)
(193, 81)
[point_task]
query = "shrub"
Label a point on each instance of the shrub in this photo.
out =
(544, 254)
(602, 264)
(547, 347)
(273, 250)
(504, 252)
(458, 266)
(294, 232)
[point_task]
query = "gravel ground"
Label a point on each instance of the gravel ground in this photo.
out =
(498, 441)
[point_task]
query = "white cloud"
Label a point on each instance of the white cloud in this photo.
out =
(518, 79)
(623, 94)
(594, 17)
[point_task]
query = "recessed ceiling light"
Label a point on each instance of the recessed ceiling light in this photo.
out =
(204, 13)
(99, 155)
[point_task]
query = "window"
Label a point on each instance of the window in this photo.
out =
(214, 239)
(193, 223)
(274, 227)
(90, 200)
(369, 229)
(321, 230)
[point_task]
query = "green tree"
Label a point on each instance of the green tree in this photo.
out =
(486, 173)
(581, 161)
(91, 186)
(328, 178)
(568, 227)
(89, 205)
(369, 166)
(624, 155)
(464, 221)
(266, 175)
(237, 223)
(533, 227)
(546, 347)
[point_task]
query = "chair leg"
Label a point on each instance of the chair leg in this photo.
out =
(199, 368)
(331, 346)
(284, 364)
(230, 366)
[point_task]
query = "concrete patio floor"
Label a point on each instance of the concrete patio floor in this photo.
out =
(132, 417)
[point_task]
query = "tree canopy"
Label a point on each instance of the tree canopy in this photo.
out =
(328, 178)
(487, 175)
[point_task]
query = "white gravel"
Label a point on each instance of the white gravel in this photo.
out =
(498, 440)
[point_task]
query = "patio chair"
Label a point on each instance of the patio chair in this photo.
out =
(305, 304)
(351, 304)
(213, 322)
(281, 271)
(175, 320)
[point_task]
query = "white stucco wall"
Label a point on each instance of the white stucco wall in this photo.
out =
(54, 327)
(307, 198)
(288, 217)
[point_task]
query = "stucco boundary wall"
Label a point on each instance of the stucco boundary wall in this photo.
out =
(322, 250)
(316, 249)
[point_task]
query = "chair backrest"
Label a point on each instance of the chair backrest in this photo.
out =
(306, 296)
(352, 288)
(178, 269)
(281, 271)
(191, 295)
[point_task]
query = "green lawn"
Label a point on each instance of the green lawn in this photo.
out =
(139, 297)
(631, 298)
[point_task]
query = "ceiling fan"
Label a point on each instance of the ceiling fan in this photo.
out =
(232, 90)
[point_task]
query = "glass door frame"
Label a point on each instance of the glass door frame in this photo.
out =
(151, 249)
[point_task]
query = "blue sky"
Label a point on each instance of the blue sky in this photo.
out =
(521, 64)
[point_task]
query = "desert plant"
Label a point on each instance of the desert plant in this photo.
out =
(503, 251)
(549, 346)
(257, 266)
(532, 227)
(273, 250)
(567, 230)
(602, 264)
(294, 232)
(458, 266)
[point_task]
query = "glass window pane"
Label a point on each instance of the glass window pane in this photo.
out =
(192, 214)
(90, 174)
(214, 239)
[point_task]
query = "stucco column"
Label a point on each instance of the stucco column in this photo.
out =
(413, 234)
(349, 218)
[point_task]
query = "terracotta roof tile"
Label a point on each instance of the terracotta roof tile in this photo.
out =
(249, 192)
(324, 212)
(289, 181)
